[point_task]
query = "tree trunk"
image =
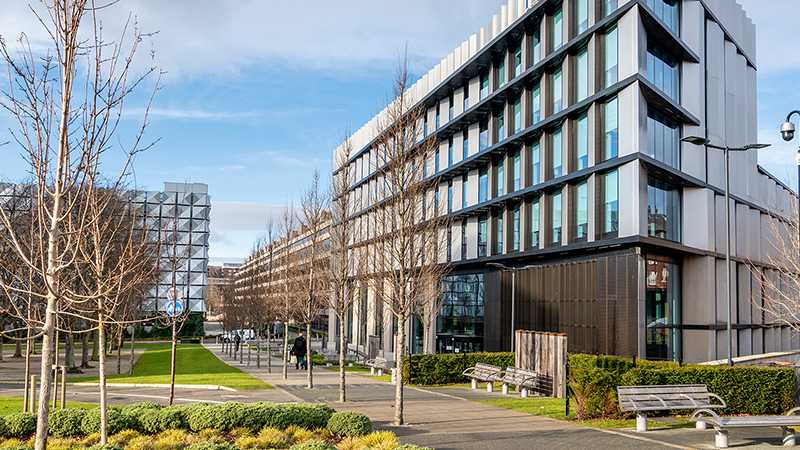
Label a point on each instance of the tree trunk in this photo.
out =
(101, 373)
(85, 351)
(172, 361)
(95, 347)
(18, 345)
(46, 370)
(285, 350)
(400, 346)
(269, 348)
(342, 371)
(119, 351)
(29, 344)
(69, 352)
(309, 365)
(133, 346)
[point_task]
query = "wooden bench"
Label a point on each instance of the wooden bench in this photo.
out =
(483, 372)
(640, 399)
(378, 364)
(722, 424)
(524, 380)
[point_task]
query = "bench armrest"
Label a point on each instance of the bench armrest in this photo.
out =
(468, 371)
(705, 415)
(721, 404)
(793, 411)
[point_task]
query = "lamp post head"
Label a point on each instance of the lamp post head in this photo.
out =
(696, 140)
(756, 146)
(787, 131)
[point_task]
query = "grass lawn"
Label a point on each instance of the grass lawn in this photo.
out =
(12, 405)
(195, 365)
(555, 408)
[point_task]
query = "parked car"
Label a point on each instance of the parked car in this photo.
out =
(247, 335)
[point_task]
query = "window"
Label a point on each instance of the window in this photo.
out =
(436, 202)
(662, 71)
(436, 161)
(536, 47)
(459, 325)
(558, 29)
(500, 185)
(465, 146)
(501, 126)
(484, 86)
(450, 152)
(663, 211)
(450, 196)
(536, 104)
(662, 309)
(450, 112)
(425, 125)
(581, 15)
(438, 117)
(466, 98)
(610, 130)
(582, 76)
(501, 72)
(667, 11)
(555, 219)
(581, 211)
(483, 230)
(425, 169)
(535, 224)
(611, 74)
(483, 138)
(557, 92)
(582, 143)
(610, 211)
(518, 61)
(556, 155)
(499, 244)
(609, 6)
(464, 239)
(515, 219)
(536, 165)
(663, 137)
(517, 109)
(449, 243)
(483, 185)
(465, 191)
(517, 171)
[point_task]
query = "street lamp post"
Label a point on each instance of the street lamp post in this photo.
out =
(787, 133)
(696, 140)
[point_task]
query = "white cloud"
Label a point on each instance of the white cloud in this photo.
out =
(775, 22)
(236, 226)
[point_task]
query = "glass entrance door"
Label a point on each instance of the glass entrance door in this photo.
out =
(662, 310)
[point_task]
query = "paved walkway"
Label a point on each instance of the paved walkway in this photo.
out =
(450, 417)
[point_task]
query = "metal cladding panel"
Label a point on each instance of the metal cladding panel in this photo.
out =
(593, 300)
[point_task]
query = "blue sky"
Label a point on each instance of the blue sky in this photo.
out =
(257, 93)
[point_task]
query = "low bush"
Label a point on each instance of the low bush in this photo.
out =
(227, 416)
(273, 438)
(593, 390)
(448, 368)
(133, 414)
(212, 446)
(379, 440)
(745, 389)
(20, 425)
(65, 422)
(90, 423)
(348, 424)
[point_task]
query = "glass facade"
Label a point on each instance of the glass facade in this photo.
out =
(500, 182)
(558, 90)
(484, 86)
(609, 6)
(667, 11)
(663, 71)
(459, 326)
(483, 232)
(663, 139)
(610, 130)
(501, 73)
(450, 196)
(517, 110)
(483, 185)
(582, 75)
(610, 211)
(556, 153)
(499, 248)
(450, 155)
(465, 145)
(436, 161)
(536, 164)
(515, 223)
(536, 47)
(663, 210)
(557, 37)
(483, 137)
(517, 159)
(611, 69)
(464, 239)
(535, 228)
(662, 309)
(536, 104)
(501, 126)
(518, 61)
(582, 143)
(555, 219)
(581, 15)
(581, 211)
(465, 191)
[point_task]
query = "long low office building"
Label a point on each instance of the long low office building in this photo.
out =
(562, 166)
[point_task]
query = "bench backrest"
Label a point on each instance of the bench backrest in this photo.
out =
(380, 361)
(485, 370)
(517, 376)
(676, 396)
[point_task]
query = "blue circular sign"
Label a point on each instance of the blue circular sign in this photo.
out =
(174, 307)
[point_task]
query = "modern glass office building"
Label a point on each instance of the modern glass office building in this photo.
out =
(568, 115)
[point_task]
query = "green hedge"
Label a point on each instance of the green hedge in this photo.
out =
(349, 424)
(65, 422)
(746, 389)
(20, 425)
(448, 368)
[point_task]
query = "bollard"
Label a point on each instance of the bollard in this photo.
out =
(63, 387)
(32, 401)
(473, 384)
(54, 389)
(641, 423)
(490, 387)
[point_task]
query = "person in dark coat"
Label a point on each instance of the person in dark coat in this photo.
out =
(237, 339)
(299, 351)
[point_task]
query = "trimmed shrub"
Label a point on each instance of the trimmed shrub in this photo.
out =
(133, 414)
(593, 390)
(313, 445)
(346, 424)
(304, 415)
(379, 440)
(91, 421)
(3, 429)
(65, 422)
(20, 425)
(123, 437)
(212, 446)
(273, 438)
(448, 368)
(745, 389)
(14, 444)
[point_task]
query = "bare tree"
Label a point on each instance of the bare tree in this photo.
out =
(313, 219)
(407, 250)
(287, 280)
(66, 122)
(779, 273)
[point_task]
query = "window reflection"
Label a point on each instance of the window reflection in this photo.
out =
(459, 326)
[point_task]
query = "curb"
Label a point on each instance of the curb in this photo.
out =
(207, 387)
